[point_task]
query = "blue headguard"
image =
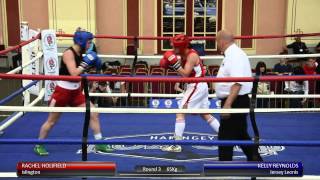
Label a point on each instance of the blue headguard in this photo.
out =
(81, 38)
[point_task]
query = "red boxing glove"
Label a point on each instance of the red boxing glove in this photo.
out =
(164, 63)
(172, 59)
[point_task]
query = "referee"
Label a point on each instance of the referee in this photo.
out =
(234, 95)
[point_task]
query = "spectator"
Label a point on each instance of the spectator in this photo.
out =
(261, 69)
(318, 51)
(318, 82)
(210, 84)
(318, 48)
(100, 87)
(298, 46)
(17, 59)
(310, 66)
(263, 87)
(103, 87)
(297, 87)
(318, 69)
(93, 85)
(282, 68)
(120, 87)
(178, 87)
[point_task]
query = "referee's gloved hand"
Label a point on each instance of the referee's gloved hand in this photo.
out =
(173, 60)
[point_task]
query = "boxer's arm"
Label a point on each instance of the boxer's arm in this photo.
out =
(188, 67)
(70, 62)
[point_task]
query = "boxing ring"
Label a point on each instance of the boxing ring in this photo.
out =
(137, 133)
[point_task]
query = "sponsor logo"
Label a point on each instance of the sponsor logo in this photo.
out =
(49, 41)
(155, 103)
(188, 154)
(168, 103)
(218, 103)
(50, 87)
(51, 64)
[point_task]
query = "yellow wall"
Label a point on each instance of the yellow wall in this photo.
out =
(109, 17)
(148, 25)
(302, 16)
(66, 16)
(230, 16)
(1, 23)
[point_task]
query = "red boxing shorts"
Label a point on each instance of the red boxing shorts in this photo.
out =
(62, 97)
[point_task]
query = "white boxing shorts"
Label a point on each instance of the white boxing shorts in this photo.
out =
(195, 96)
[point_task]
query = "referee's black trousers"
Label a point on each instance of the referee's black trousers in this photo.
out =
(235, 128)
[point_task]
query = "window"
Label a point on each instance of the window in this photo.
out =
(204, 20)
(191, 17)
(173, 19)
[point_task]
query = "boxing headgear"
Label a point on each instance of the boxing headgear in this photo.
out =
(81, 38)
(180, 41)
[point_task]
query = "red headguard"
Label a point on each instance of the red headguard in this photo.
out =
(181, 42)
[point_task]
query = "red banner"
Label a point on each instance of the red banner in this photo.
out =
(63, 169)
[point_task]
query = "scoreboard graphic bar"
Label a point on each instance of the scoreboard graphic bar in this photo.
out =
(258, 169)
(65, 169)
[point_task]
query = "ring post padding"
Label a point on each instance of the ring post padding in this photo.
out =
(86, 120)
(252, 108)
(133, 69)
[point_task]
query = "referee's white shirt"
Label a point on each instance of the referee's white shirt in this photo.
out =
(234, 64)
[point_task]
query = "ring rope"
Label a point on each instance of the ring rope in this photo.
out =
(38, 36)
(194, 38)
(158, 79)
(16, 93)
(18, 69)
(6, 123)
(311, 143)
(151, 110)
(149, 95)
(211, 57)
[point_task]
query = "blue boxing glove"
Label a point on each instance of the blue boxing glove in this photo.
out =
(98, 65)
(89, 60)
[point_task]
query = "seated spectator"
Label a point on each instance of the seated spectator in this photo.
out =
(318, 69)
(318, 48)
(178, 87)
(263, 87)
(101, 87)
(211, 85)
(120, 87)
(282, 68)
(297, 87)
(17, 59)
(298, 46)
(93, 85)
(318, 82)
(261, 69)
(310, 66)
